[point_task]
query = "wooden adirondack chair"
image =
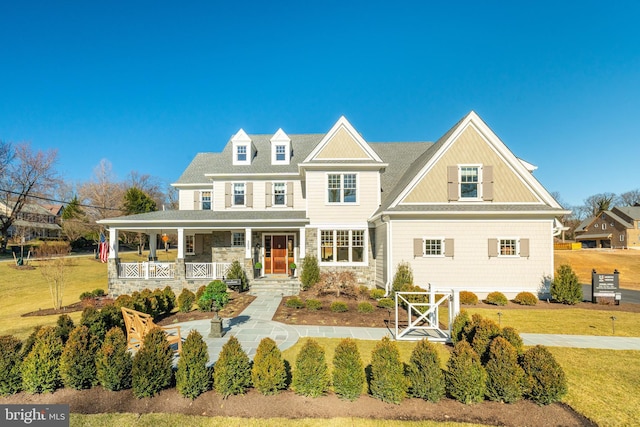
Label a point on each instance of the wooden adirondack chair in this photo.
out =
(139, 324)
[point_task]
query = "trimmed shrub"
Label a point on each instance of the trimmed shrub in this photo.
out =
(313, 304)
(505, 378)
(268, 373)
(28, 344)
(311, 374)
(170, 298)
(386, 303)
(565, 287)
(365, 307)
(363, 292)
(403, 276)
(497, 298)
(514, 338)
(545, 381)
(159, 302)
(526, 298)
(460, 323)
(124, 301)
(200, 292)
(426, 379)
(485, 331)
(64, 326)
(93, 320)
(387, 382)
(294, 302)
(152, 368)
(310, 272)
(348, 370)
(186, 300)
(232, 371)
(465, 379)
(10, 365)
(193, 377)
(41, 367)
(215, 296)
(339, 307)
(77, 363)
(236, 271)
(112, 317)
(114, 362)
(468, 298)
(376, 293)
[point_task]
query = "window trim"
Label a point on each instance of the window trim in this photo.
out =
(284, 194)
(233, 239)
(202, 201)
(442, 247)
(233, 194)
(188, 237)
(516, 247)
(478, 196)
(350, 262)
(342, 188)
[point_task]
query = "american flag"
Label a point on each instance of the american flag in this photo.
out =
(103, 248)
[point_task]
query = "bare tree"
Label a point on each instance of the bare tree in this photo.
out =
(26, 173)
(599, 203)
(103, 193)
(150, 185)
(630, 198)
(53, 267)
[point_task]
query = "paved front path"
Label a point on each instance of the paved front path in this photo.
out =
(255, 323)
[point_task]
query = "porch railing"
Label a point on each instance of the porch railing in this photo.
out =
(206, 270)
(146, 270)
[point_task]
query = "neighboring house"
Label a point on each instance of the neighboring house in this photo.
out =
(618, 228)
(464, 211)
(33, 222)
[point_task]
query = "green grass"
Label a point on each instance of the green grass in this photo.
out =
(570, 321)
(170, 420)
(24, 291)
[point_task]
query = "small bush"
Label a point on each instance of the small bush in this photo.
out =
(485, 331)
(565, 287)
(200, 292)
(193, 377)
(10, 365)
(505, 378)
(310, 272)
(376, 293)
(294, 302)
(365, 307)
(545, 381)
(514, 338)
(186, 300)
(348, 370)
(41, 367)
(426, 379)
(497, 298)
(339, 307)
(268, 372)
(232, 371)
(465, 379)
(338, 284)
(170, 298)
(152, 368)
(386, 303)
(526, 298)
(388, 382)
(96, 293)
(468, 298)
(237, 272)
(311, 374)
(313, 304)
(460, 323)
(363, 292)
(28, 344)
(403, 276)
(215, 296)
(124, 301)
(77, 363)
(114, 362)
(64, 326)
(93, 320)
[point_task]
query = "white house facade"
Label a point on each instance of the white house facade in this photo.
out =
(463, 211)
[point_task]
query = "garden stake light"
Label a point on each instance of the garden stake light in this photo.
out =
(499, 318)
(613, 325)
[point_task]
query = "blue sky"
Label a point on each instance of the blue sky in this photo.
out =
(148, 84)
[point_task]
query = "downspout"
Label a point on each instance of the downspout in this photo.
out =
(387, 285)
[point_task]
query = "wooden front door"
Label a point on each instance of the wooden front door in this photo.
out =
(279, 254)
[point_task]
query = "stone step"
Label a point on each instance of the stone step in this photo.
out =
(275, 285)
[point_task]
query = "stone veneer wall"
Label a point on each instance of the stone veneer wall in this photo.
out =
(366, 275)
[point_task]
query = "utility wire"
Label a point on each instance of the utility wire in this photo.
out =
(60, 201)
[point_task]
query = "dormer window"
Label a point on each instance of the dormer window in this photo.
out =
(281, 153)
(280, 148)
(241, 148)
(241, 153)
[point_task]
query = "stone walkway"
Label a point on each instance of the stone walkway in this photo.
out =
(255, 323)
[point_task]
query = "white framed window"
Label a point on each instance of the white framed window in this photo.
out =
(342, 246)
(469, 182)
(279, 194)
(342, 188)
(622, 237)
(604, 226)
(237, 239)
(189, 244)
(241, 153)
(508, 247)
(433, 247)
(281, 153)
(238, 193)
(205, 200)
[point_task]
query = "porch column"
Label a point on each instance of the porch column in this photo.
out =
(302, 243)
(180, 243)
(113, 243)
(247, 242)
(153, 243)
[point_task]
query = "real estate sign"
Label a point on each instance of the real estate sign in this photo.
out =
(605, 287)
